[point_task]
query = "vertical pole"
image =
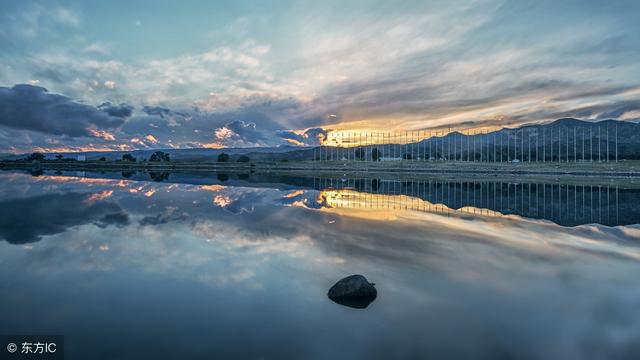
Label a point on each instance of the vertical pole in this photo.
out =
(364, 148)
(412, 145)
(616, 156)
(425, 139)
(416, 145)
(591, 142)
(551, 147)
(349, 148)
(575, 144)
(481, 145)
(474, 145)
(345, 145)
(405, 146)
(559, 144)
(501, 144)
(522, 144)
(508, 147)
(537, 143)
(360, 147)
(468, 137)
(355, 144)
(339, 146)
(529, 143)
(494, 147)
(544, 143)
(340, 149)
(583, 138)
(442, 145)
(430, 144)
(398, 148)
(567, 142)
(486, 138)
(329, 149)
(393, 144)
(599, 143)
(352, 141)
(449, 145)
(608, 153)
(382, 146)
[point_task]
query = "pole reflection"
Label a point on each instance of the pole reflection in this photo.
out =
(563, 204)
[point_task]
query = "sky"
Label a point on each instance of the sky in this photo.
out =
(125, 75)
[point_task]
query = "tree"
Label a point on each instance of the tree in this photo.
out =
(59, 157)
(244, 158)
(375, 154)
(360, 153)
(159, 176)
(223, 157)
(36, 156)
(159, 156)
(128, 157)
(102, 159)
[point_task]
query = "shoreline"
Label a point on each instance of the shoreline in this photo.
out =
(623, 173)
(629, 169)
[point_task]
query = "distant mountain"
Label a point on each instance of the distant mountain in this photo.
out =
(562, 139)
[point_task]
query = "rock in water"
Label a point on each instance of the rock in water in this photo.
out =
(353, 291)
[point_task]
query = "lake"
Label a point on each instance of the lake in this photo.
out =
(204, 265)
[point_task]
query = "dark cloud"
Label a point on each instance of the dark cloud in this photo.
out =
(30, 107)
(311, 136)
(26, 220)
(167, 216)
(163, 112)
(241, 133)
(156, 110)
(121, 111)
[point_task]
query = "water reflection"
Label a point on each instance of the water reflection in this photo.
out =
(248, 260)
(563, 204)
(26, 220)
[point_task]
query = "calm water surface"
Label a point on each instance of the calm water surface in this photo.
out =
(133, 265)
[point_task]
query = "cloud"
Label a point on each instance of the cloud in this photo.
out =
(121, 111)
(313, 136)
(29, 107)
(240, 133)
(26, 220)
(110, 84)
(99, 48)
(387, 67)
(157, 110)
(66, 16)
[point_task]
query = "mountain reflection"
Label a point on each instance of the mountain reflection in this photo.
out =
(254, 253)
(566, 204)
(563, 204)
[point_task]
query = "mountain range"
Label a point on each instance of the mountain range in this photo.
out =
(564, 139)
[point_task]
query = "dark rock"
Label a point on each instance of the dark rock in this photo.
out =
(353, 291)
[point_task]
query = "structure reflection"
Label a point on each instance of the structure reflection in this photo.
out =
(563, 204)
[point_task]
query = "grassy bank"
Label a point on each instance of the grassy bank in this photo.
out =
(625, 174)
(608, 169)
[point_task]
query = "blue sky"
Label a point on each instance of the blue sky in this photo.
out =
(153, 74)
